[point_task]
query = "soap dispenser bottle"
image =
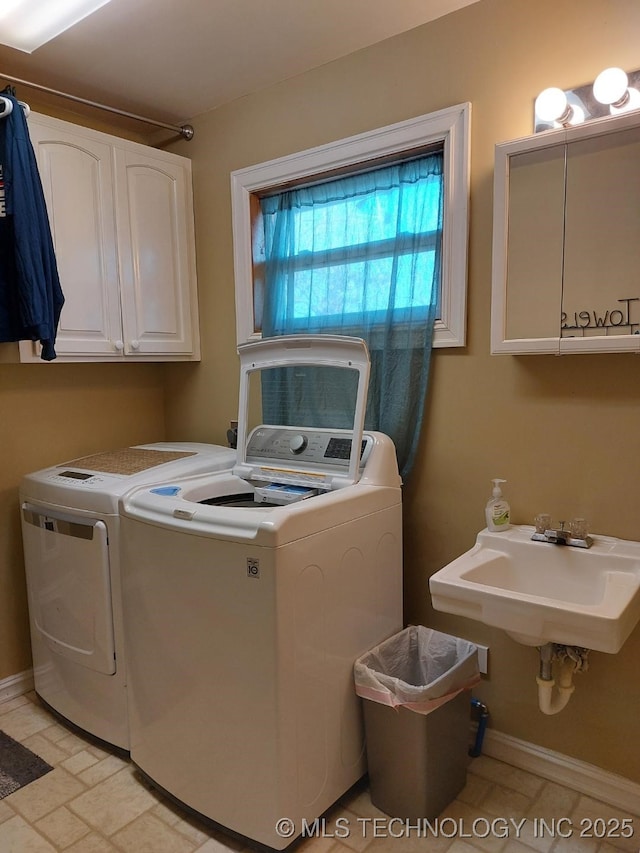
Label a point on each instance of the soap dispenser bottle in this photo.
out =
(497, 512)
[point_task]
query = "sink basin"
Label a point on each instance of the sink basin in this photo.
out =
(542, 593)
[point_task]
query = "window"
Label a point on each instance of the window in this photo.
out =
(362, 249)
(252, 188)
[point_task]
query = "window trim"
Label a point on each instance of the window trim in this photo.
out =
(451, 126)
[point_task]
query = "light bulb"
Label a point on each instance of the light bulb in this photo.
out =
(610, 87)
(551, 104)
(576, 116)
(631, 103)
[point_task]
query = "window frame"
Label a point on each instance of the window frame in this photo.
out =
(450, 126)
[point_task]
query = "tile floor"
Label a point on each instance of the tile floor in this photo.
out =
(94, 802)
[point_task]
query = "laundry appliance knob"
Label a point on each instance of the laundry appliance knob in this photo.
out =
(298, 443)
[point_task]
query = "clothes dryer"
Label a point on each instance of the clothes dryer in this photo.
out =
(248, 595)
(71, 537)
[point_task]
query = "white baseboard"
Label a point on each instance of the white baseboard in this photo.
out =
(16, 685)
(574, 774)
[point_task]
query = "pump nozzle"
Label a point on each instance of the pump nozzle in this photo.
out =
(497, 491)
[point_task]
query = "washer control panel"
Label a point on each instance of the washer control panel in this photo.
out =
(320, 449)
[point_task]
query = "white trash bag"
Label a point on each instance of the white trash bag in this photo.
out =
(419, 669)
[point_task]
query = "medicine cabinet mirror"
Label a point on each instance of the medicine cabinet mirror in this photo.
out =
(566, 240)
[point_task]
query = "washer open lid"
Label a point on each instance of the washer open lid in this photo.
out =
(334, 352)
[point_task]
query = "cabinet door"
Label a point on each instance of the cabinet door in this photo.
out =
(156, 253)
(77, 178)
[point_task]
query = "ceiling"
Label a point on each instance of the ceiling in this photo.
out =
(172, 60)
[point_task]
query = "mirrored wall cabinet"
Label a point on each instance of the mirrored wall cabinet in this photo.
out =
(566, 240)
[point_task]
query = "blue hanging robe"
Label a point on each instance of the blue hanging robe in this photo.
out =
(30, 294)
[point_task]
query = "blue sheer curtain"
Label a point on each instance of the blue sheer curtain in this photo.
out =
(360, 255)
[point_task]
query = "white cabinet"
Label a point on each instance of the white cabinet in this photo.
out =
(121, 217)
(566, 240)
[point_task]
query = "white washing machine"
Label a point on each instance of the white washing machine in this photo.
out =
(248, 595)
(70, 528)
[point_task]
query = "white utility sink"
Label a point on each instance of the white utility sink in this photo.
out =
(542, 593)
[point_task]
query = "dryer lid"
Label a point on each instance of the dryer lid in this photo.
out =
(325, 352)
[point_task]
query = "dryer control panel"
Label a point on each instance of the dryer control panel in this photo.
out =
(76, 478)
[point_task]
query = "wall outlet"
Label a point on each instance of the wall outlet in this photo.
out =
(483, 658)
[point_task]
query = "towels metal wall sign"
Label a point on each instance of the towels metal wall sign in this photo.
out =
(625, 320)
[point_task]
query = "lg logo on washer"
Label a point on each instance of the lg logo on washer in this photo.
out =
(253, 567)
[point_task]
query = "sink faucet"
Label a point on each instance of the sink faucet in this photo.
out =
(560, 536)
(557, 536)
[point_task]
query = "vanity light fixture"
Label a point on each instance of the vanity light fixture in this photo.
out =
(613, 91)
(28, 24)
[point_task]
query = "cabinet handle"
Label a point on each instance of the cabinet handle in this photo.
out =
(135, 344)
(118, 345)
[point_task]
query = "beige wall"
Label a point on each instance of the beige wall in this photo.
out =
(563, 431)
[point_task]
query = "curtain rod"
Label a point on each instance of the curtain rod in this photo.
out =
(185, 130)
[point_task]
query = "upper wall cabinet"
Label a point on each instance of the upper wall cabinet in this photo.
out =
(566, 240)
(121, 216)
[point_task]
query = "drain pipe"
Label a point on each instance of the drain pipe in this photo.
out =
(479, 706)
(571, 659)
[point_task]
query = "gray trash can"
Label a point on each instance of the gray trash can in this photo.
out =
(417, 720)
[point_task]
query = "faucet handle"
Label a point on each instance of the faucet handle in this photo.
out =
(542, 522)
(579, 528)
